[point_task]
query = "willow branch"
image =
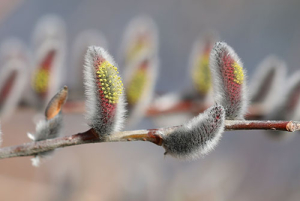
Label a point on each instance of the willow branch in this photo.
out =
(150, 135)
(289, 126)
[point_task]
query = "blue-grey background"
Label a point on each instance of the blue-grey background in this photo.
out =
(245, 166)
(254, 29)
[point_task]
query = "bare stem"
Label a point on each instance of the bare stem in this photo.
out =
(289, 126)
(151, 135)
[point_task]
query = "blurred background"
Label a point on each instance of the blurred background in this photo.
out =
(244, 166)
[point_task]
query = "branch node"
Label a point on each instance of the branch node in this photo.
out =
(154, 135)
(292, 126)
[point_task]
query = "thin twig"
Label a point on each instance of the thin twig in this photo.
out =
(151, 135)
(289, 126)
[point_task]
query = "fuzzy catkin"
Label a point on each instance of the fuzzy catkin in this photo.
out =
(229, 81)
(51, 126)
(105, 110)
(46, 129)
(199, 136)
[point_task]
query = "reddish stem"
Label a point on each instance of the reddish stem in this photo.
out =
(153, 135)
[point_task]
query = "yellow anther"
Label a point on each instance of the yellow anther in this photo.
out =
(110, 81)
(238, 73)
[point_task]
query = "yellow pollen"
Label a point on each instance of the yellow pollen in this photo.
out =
(238, 73)
(110, 82)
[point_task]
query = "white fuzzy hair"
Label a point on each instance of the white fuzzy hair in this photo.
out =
(140, 108)
(46, 129)
(83, 40)
(221, 94)
(198, 48)
(37, 160)
(269, 65)
(138, 25)
(197, 137)
(15, 95)
(93, 102)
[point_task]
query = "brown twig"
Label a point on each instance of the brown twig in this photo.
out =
(151, 135)
(289, 126)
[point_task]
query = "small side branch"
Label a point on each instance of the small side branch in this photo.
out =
(151, 135)
(289, 126)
